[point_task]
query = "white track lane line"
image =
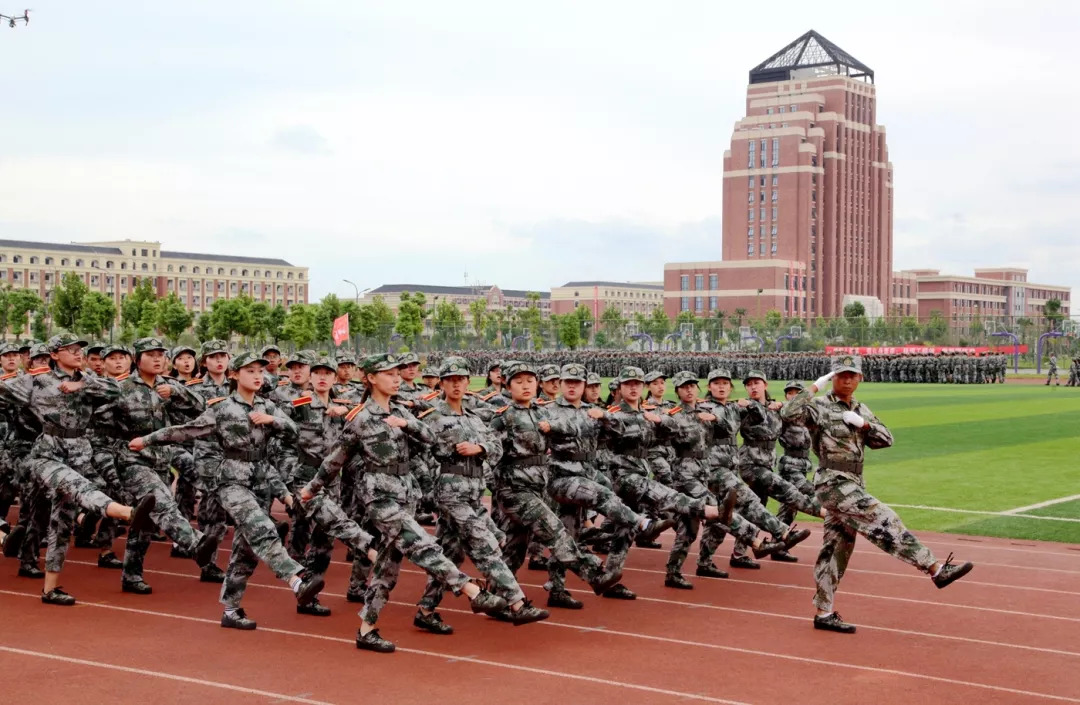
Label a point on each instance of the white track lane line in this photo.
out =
(602, 681)
(276, 697)
(422, 652)
(1040, 505)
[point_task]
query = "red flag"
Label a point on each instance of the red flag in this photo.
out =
(341, 329)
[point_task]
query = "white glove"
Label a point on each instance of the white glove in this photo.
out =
(854, 420)
(823, 380)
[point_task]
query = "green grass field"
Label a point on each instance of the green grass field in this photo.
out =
(983, 448)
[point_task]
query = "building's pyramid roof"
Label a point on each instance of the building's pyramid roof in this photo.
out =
(810, 55)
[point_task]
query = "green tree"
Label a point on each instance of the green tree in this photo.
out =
(936, 326)
(569, 330)
(276, 322)
(232, 316)
(477, 313)
(530, 320)
(97, 314)
(67, 300)
(301, 325)
(909, 328)
(172, 317)
(612, 325)
(23, 303)
(326, 311)
(448, 326)
(410, 318)
(773, 320)
(148, 322)
(854, 310)
(377, 322)
(132, 312)
(204, 326)
(40, 327)
(658, 324)
(1053, 315)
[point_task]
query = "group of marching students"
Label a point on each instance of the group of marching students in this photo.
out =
(100, 441)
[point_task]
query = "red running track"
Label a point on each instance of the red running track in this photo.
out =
(1005, 634)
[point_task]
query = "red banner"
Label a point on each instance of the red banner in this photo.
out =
(341, 329)
(924, 349)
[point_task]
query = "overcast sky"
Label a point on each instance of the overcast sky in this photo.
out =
(520, 144)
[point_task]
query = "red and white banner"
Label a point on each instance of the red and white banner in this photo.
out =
(341, 329)
(923, 349)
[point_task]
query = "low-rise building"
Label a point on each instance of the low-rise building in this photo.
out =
(628, 297)
(461, 296)
(994, 293)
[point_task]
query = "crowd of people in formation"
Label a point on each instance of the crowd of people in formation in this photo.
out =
(1073, 379)
(100, 441)
(942, 368)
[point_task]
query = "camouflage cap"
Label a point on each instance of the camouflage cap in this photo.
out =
(429, 372)
(381, 362)
(244, 359)
(324, 361)
(613, 384)
(6, 348)
(493, 364)
(548, 372)
(631, 374)
(720, 373)
(794, 384)
(592, 379)
(515, 368)
(344, 357)
(651, 377)
(409, 358)
(114, 348)
(754, 374)
(37, 350)
(301, 357)
(147, 344)
(27, 344)
(847, 363)
(270, 348)
(683, 377)
(211, 347)
(180, 350)
(454, 367)
(63, 340)
(95, 345)
(574, 371)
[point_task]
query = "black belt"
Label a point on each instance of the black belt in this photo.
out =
(310, 460)
(800, 453)
(577, 457)
(399, 469)
(463, 469)
(764, 445)
(695, 453)
(52, 429)
(250, 456)
(527, 461)
(633, 452)
(852, 467)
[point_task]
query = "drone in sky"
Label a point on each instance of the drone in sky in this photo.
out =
(24, 18)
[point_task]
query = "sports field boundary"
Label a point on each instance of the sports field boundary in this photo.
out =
(1012, 513)
(1040, 505)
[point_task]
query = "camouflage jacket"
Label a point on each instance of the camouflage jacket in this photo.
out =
(242, 444)
(574, 438)
(760, 428)
(795, 436)
(496, 397)
(451, 428)
(353, 391)
(372, 443)
(686, 435)
(206, 451)
(660, 448)
(140, 411)
(316, 432)
(629, 436)
(724, 432)
(835, 443)
(284, 394)
(523, 465)
(39, 391)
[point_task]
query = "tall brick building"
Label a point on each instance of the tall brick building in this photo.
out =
(808, 200)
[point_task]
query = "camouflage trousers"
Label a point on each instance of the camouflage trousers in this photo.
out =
(9, 483)
(466, 529)
(660, 465)
(35, 504)
(256, 540)
(794, 470)
(576, 493)
(751, 511)
(187, 480)
(329, 523)
(527, 512)
(390, 509)
(142, 481)
(853, 511)
(767, 483)
(686, 531)
(639, 491)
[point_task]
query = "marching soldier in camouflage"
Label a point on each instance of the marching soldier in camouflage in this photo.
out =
(794, 465)
(572, 429)
(521, 485)
(841, 428)
(1052, 373)
(242, 424)
(63, 399)
(377, 433)
(319, 420)
(182, 359)
(462, 444)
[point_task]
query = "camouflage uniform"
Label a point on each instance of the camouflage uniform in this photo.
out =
(388, 493)
(206, 451)
(840, 487)
(465, 528)
(34, 501)
(575, 482)
(62, 456)
(241, 481)
(139, 411)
